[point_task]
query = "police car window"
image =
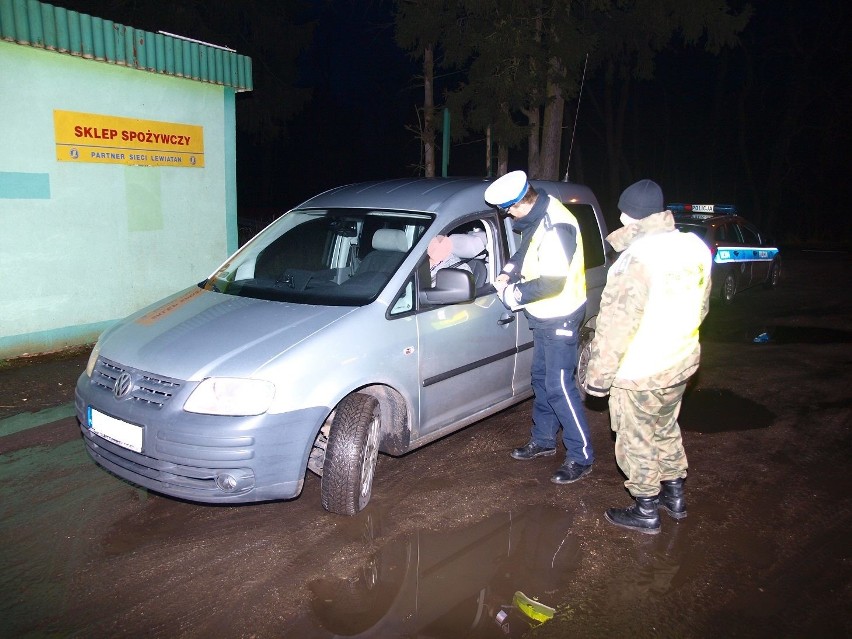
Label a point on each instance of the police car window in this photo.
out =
(734, 234)
(593, 250)
(728, 233)
(749, 236)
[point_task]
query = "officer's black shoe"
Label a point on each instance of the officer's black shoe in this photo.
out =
(642, 516)
(532, 450)
(671, 498)
(571, 471)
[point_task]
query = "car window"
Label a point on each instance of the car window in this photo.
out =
(470, 246)
(404, 302)
(593, 249)
(728, 232)
(337, 257)
(750, 236)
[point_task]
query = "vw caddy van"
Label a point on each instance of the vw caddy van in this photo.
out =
(320, 343)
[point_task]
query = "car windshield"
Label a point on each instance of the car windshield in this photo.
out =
(337, 257)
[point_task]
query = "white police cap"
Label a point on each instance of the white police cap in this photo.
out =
(507, 190)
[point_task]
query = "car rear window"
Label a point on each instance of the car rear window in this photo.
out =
(593, 250)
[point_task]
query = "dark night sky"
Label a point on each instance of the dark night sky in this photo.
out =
(683, 129)
(364, 94)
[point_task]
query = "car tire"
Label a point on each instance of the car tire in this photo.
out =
(350, 457)
(774, 274)
(729, 288)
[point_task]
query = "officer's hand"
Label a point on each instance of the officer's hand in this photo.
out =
(510, 297)
(501, 282)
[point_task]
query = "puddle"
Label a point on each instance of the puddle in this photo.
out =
(800, 335)
(714, 410)
(655, 568)
(777, 335)
(459, 583)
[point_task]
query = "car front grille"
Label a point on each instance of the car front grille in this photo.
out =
(150, 389)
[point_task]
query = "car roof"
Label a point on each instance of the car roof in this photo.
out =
(446, 197)
(706, 214)
(705, 219)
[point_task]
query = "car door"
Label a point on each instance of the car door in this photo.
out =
(758, 256)
(467, 351)
(732, 253)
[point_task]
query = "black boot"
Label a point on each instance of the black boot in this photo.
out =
(671, 498)
(642, 516)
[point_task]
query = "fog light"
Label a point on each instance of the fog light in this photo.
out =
(234, 481)
(226, 482)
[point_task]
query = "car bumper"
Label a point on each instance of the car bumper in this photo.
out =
(203, 458)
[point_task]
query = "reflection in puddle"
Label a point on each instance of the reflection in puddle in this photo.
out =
(658, 567)
(715, 410)
(450, 584)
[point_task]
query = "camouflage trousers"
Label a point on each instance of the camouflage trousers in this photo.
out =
(648, 446)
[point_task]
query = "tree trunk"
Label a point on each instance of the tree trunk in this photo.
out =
(428, 135)
(488, 152)
(502, 159)
(533, 137)
(551, 136)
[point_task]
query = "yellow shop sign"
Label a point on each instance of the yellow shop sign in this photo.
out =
(107, 139)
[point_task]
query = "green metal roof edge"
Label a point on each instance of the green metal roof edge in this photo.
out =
(44, 26)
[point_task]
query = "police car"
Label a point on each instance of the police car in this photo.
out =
(742, 257)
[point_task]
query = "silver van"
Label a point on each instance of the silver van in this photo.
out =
(320, 343)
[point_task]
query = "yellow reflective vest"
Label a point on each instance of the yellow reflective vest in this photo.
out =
(545, 257)
(656, 295)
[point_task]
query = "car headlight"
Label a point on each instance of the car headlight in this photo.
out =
(93, 358)
(231, 396)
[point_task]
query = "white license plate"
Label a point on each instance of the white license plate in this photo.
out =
(115, 430)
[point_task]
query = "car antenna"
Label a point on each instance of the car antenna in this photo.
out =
(576, 117)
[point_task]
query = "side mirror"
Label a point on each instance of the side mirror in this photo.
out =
(452, 286)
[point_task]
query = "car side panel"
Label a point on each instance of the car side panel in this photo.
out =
(467, 358)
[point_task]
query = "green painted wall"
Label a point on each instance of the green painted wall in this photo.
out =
(84, 244)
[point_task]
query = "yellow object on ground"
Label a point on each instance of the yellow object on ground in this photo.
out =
(532, 608)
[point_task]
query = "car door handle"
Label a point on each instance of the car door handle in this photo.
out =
(506, 319)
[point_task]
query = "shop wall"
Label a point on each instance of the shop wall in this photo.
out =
(83, 244)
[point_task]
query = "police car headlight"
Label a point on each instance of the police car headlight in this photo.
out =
(231, 396)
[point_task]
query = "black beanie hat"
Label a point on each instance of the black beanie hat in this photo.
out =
(641, 199)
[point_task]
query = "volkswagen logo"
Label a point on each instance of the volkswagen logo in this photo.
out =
(123, 386)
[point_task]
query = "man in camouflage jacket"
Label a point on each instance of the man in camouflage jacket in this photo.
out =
(646, 348)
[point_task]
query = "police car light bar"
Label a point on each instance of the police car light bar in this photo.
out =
(726, 209)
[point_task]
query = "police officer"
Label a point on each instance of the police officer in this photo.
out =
(546, 278)
(646, 348)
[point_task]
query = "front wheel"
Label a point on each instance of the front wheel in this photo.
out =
(350, 456)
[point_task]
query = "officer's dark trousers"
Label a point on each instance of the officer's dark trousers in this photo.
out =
(557, 400)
